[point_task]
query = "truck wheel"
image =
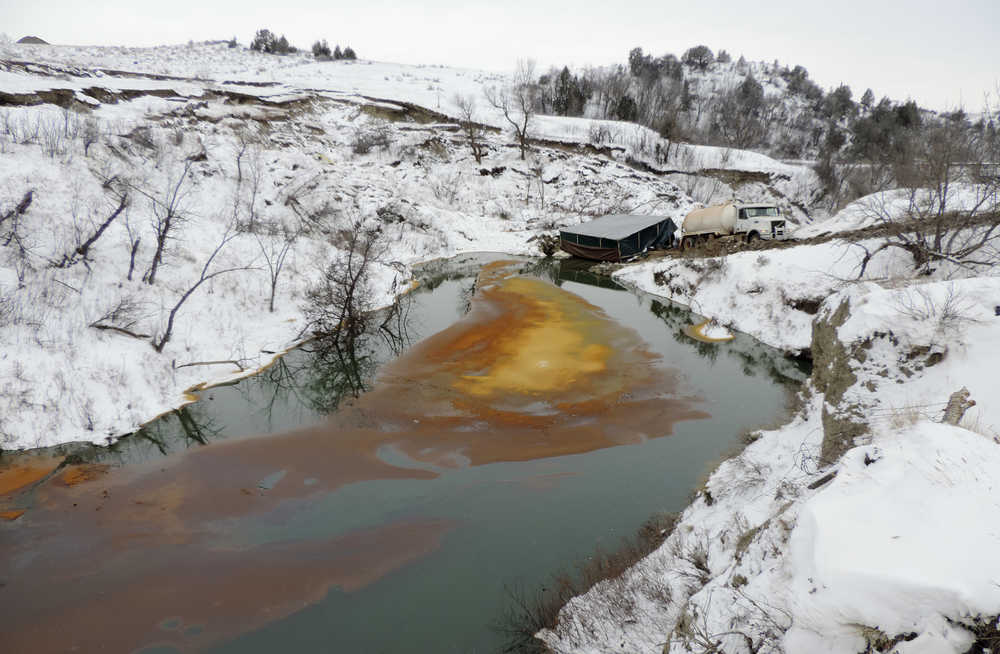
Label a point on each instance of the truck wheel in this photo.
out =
(753, 236)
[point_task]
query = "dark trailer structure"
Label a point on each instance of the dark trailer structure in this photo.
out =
(617, 237)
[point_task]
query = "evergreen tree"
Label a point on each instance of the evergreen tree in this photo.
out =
(626, 109)
(700, 57)
(868, 99)
(321, 49)
(263, 41)
(839, 103)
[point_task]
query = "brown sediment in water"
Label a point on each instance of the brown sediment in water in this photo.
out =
(220, 592)
(11, 515)
(531, 372)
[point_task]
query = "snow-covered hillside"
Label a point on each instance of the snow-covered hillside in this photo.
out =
(254, 149)
(862, 525)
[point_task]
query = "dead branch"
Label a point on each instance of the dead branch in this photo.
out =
(211, 363)
(120, 330)
(19, 210)
(84, 248)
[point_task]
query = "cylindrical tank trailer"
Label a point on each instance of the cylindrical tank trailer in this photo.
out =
(748, 221)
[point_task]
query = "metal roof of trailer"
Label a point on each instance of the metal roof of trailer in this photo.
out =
(617, 226)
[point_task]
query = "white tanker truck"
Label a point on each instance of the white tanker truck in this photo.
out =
(746, 221)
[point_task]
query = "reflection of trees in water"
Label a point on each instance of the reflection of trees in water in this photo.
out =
(754, 357)
(177, 430)
(678, 319)
(580, 271)
(337, 368)
(180, 429)
(758, 358)
(336, 371)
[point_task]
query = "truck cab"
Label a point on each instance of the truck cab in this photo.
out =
(759, 221)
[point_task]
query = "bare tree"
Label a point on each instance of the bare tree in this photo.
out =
(949, 206)
(14, 214)
(12, 235)
(473, 131)
(168, 214)
(516, 100)
(162, 339)
(91, 134)
(339, 304)
(275, 249)
(249, 176)
(134, 239)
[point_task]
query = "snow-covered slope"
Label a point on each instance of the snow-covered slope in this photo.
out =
(243, 148)
(897, 552)
(896, 205)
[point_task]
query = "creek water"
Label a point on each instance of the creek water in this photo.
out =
(511, 418)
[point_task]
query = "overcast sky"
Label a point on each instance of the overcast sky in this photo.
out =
(938, 53)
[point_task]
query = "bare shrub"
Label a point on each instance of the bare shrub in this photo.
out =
(746, 474)
(446, 187)
(599, 134)
(950, 312)
(376, 134)
(6, 310)
(756, 627)
(473, 131)
(90, 135)
(528, 613)
(693, 560)
(52, 137)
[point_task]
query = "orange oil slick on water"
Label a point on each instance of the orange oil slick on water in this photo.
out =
(79, 474)
(531, 371)
(21, 475)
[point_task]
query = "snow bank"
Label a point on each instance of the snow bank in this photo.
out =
(899, 547)
(905, 537)
(770, 295)
(894, 206)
